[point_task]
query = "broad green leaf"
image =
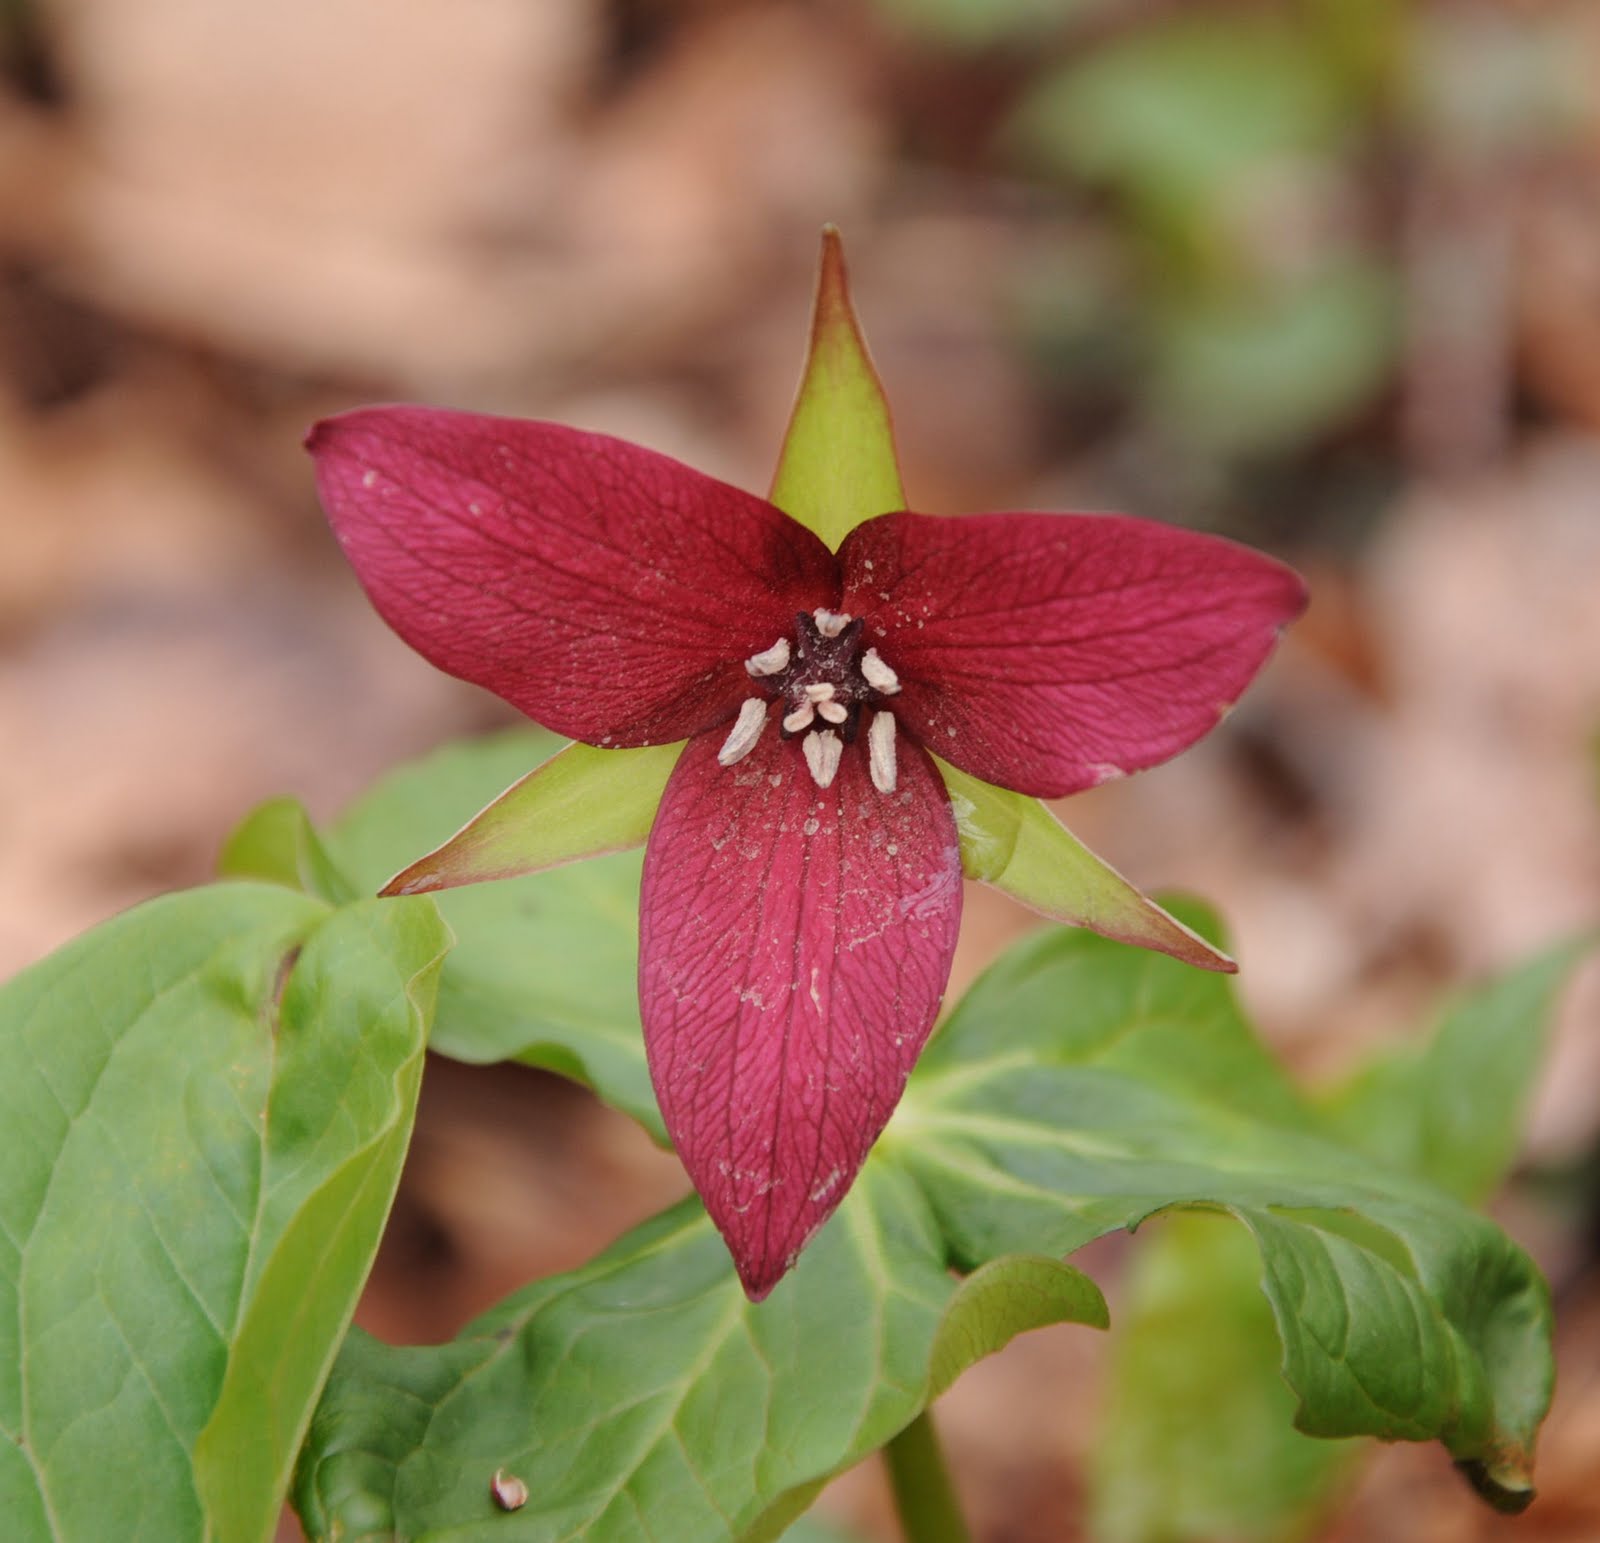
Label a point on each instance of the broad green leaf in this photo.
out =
(1402, 1314)
(544, 968)
(1451, 1109)
(1014, 843)
(644, 1397)
(1173, 115)
(1196, 1396)
(837, 466)
(1195, 1388)
(278, 843)
(206, 1103)
(582, 802)
(545, 965)
(1256, 367)
(977, 24)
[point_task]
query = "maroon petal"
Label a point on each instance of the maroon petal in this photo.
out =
(1048, 652)
(611, 593)
(794, 944)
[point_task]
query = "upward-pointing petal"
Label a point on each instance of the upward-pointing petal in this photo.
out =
(794, 943)
(611, 593)
(1048, 652)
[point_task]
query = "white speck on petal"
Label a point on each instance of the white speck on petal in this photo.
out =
(369, 479)
(833, 712)
(770, 660)
(822, 753)
(880, 752)
(830, 623)
(745, 732)
(799, 719)
(878, 675)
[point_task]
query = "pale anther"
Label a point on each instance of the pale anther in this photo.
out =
(880, 752)
(770, 660)
(745, 732)
(878, 675)
(799, 719)
(830, 623)
(833, 712)
(822, 691)
(822, 756)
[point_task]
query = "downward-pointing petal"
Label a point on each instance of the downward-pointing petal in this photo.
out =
(1048, 652)
(794, 945)
(611, 593)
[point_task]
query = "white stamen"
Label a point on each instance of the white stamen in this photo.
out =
(770, 660)
(878, 675)
(880, 752)
(821, 692)
(822, 756)
(799, 719)
(745, 732)
(830, 623)
(833, 712)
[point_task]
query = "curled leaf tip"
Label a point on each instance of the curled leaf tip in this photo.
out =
(1504, 1483)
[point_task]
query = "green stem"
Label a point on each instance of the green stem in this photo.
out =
(923, 1494)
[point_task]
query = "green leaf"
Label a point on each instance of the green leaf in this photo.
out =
(1402, 1314)
(1016, 845)
(1197, 1352)
(278, 844)
(544, 969)
(1254, 367)
(1195, 1395)
(206, 1102)
(837, 466)
(1174, 114)
(977, 24)
(580, 803)
(1451, 1109)
(644, 1397)
(1078, 1088)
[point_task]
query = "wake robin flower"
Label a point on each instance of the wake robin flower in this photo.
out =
(802, 879)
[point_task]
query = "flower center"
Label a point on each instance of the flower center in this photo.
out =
(824, 680)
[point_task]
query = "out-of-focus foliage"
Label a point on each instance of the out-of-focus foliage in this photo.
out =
(1244, 185)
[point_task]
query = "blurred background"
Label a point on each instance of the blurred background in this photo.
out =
(1321, 274)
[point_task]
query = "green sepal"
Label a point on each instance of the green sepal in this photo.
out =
(1016, 845)
(580, 803)
(837, 466)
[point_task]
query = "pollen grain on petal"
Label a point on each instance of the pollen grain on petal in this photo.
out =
(745, 732)
(822, 752)
(881, 753)
(770, 661)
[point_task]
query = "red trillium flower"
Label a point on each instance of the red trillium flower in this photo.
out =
(802, 882)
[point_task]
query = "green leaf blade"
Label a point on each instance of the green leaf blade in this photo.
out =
(544, 967)
(1451, 1109)
(1402, 1314)
(645, 1397)
(147, 1203)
